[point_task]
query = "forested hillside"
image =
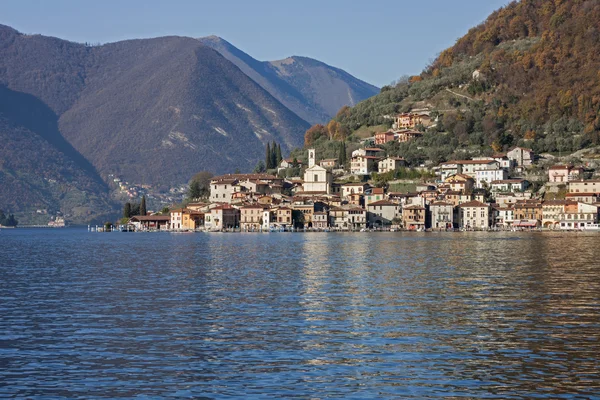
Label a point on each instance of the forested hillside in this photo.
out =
(529, 75)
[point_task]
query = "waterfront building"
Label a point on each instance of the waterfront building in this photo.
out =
(383, 212)
(442, 215)
(474, 215)
(414, 217)
(251, 217)
(186, 219)
(221, 217)
(320, 220)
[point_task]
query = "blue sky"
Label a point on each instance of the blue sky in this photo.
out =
(377, 40)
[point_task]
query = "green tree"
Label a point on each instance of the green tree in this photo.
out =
(127, 210)
(268, 164)
(260, 167)
(199, 185)
(278, 155)
(143, 206)
(274, 163)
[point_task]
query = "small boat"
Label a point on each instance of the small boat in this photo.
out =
(591, 227)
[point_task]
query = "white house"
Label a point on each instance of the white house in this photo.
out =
(509, 185)
(391, 164)
(488, 176)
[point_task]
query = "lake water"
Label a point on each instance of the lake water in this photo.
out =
(283, 315)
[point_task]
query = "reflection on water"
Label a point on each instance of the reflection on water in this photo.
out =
(299, 315)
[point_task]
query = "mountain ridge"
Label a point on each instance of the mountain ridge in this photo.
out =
(308, 92)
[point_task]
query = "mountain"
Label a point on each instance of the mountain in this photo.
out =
(526, 76)
(153, 111)
(313, 90)
(39, 168)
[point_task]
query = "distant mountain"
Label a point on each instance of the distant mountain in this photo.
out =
(313, 90)
(153, 111)
(40, 169)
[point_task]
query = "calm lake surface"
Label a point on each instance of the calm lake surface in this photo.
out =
(282, 315)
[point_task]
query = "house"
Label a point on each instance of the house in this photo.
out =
(368, 151)
(347, 218)
(317, 180)
(391, 164)
(460, 183)
(551, 213)
(251, 217)
(356, 199)
(384, 137)
(512, 198)
(151, 222)
(373, 195)
(578, 215)
(485, 177)
(588, 198)
(504, 216)
(442, 215)
(564, 173)
(581, 186)
(383, 212)
(353, 188)
(528, 213)
(467, 167)
(329, 163)
(222, 217)
(223, 187)
(509, 185)
(305, 212)
(414, 217)
(289, 163)
(407, 135)
(521, 156)
(283, 217)
(410, 120)
(363, 165)
(186, 219)
(474, 215)
(320, 220)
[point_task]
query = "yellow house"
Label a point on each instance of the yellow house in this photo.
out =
(186, 219)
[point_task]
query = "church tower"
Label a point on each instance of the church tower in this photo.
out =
(311, 158)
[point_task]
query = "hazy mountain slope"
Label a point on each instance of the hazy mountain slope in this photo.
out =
(39, 168)
(159, 110)
(314, 90)
(154, 111)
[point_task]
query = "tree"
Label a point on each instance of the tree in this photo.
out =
(127, 210)
(199, 185)
(143, 206)
(342, 154)
(314, 133)
(274, 163)
(278, 154)
(260, 167)
(268, 164)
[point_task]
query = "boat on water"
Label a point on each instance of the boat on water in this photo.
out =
(591, 227)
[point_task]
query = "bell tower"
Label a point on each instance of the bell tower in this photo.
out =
(311, 158)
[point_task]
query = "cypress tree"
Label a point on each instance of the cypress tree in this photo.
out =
(143, 206)
(279, 157)
(268, 157)
(127, 210)
(274, 155)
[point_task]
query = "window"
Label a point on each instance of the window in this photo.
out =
(316, 178)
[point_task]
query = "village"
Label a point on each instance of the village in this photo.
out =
(481, 193)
